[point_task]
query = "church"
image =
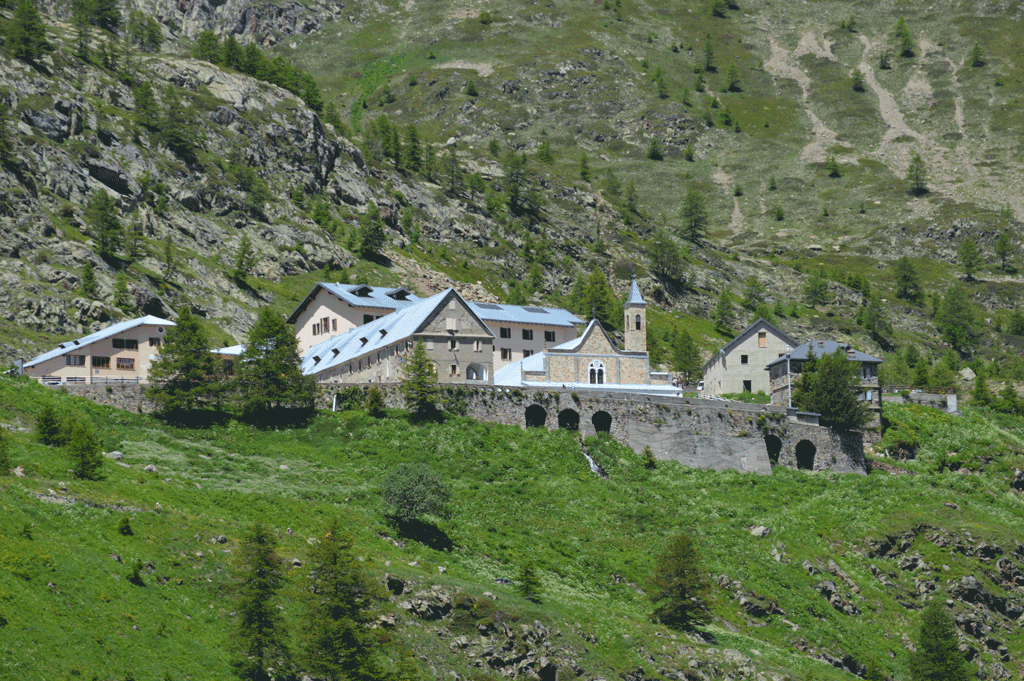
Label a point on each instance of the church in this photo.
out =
(593, 360)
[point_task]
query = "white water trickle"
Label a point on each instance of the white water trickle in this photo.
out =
(593, 464)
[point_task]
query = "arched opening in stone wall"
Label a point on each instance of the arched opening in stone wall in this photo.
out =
(476, 372)
(536, 416)
(805, 451)
(568, 419)
(602, 421)
(774, 447)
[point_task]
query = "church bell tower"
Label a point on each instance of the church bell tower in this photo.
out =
(636, 320)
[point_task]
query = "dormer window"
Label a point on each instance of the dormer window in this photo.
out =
(364, 341)
(400, 294)
(362, 291)
(316, 359)
(336, 351)
(383, 332)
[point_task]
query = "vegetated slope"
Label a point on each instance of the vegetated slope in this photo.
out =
(605, 80)
(836, 584)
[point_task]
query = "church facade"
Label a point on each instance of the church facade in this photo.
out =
(594, 359)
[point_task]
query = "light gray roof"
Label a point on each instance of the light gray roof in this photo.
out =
(112, 330)
(374, 336)
(635, 298)
(229, 350)
(360, 295)
(525, 314)
(825, 347)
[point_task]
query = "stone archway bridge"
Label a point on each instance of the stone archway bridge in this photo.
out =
(700, 433)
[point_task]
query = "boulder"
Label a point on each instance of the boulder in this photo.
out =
(150, 468)
(967, 374)
(760, 531)
(115, 455)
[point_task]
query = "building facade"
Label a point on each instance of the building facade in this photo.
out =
(740, 365)
(120, 353)
(332, 309)
(457, 341)
(785, 371)
(519, 330)
(594, 360)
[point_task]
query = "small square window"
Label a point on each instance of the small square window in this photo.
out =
(453, 345)
(455, 370)
(527, 334)
(527, 353)
(549, 336)
(118, 343)
(155, 342)
(75, 360)
(747, 387)
(126, 363)
(101, 362)
(131, 344)
(506, 353)
(743, 359)
(367, 318)
(505, 332)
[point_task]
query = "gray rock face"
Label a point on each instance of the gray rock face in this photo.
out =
(115, 455)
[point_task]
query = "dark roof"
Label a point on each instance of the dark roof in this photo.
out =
(792, 342)
(826, 347)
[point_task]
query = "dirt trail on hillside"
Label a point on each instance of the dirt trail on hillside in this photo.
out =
(781, 65)
(723, 180)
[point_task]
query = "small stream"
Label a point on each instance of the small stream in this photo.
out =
(594, 466)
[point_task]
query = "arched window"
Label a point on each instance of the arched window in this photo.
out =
(638, 322)
(596, 372)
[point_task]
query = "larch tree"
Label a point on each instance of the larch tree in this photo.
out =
(830, 386)
(679, 587)
(938, 656)
(908, 284)
(970, 257)
(270, 370)
(184, 379)
(419, 383)
(260, 633)
(917, 175)
(957, 320)
(695, 215)
(1004, 249)
(101, 214)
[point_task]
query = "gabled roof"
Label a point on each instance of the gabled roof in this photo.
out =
(112, 330)
(376, 335)
(576, 343)
(826, 347)
(635, 299)
(359, 295)
(525, 314)
(727, 348)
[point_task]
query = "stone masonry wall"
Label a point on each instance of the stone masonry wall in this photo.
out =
(698, 433)
(128, 396)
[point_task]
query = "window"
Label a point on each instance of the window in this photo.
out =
(455, 370)
(229, 367)
(119, 343)
(506, 353)
(101, 362)
(334, 324)
(476, 346)
(638, 322)
(596, 372)
(505, 332)
(762, 339)
(527, 334)
(743, 359)
(75, 360)
(747, 387)
(453, 345)
(325, 324)
(131, 344)
(367, 318)
(126, 363)
(549, 336)
(527, 353)
(156, 342)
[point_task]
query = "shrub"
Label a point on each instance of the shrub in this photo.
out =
(412, 490)
(528, 583)
(124, 527)
(375, 403)
(5, 448)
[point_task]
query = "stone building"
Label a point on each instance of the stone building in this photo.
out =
(594, 359)
(519, 331)
(120, 353)
(457, 341)
(740, 365)
(785, 371)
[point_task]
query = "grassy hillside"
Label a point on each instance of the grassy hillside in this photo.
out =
(518, 495)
